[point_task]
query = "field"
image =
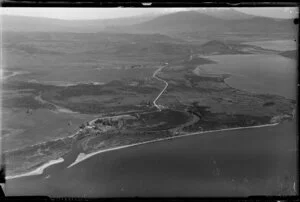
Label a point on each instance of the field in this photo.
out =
(41, 125)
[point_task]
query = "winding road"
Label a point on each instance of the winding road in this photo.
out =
(163, 90)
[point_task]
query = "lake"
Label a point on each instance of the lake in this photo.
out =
(260, 73)
(257, 161)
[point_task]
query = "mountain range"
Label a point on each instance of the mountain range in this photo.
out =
(202, 22)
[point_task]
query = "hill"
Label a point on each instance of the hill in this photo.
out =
(209, 24)
(202, 25)
(225, 13)
(220, 47)
(177, 22)
(215, 45)
(37, 24)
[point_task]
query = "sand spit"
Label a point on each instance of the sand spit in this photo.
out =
(37, 171)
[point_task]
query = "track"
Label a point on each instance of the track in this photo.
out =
(163, 90)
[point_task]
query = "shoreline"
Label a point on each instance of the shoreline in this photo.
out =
(37, 171)
(82, 156)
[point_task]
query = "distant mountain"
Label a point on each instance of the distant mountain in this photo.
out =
(198, 24)
(177, 22)
(207, 23)
(225, 13)
(37, 24)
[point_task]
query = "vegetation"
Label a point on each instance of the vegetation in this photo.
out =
(213, 121)
(267, 104)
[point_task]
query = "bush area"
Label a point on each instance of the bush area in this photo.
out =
(82, 89)
(170, 118)
(35, 87)
(213, 121)
(267, 104)
(27, 102)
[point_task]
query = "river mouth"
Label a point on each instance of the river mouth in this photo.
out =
(204, 161)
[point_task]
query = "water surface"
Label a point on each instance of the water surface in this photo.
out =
(260, 73)
(256, 161)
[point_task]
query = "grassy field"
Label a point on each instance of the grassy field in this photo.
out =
(41, 125)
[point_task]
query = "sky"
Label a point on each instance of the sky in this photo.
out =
(104, 13)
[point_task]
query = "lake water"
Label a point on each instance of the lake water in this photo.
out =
(279, 45)
(258, 161)
(260, 73)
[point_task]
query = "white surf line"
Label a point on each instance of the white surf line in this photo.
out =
(37, 171)
(166, 86)
(82, 156)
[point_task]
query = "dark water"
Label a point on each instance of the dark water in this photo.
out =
(259, 73)
(230, 163)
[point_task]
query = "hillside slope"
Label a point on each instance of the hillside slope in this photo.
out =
(201, 25)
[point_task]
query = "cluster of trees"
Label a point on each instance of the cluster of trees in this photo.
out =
(267, 104)
(214, 121)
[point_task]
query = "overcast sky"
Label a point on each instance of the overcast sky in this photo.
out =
(101, 13)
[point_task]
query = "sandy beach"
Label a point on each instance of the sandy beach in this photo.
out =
(37, 171)
(81, 157)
